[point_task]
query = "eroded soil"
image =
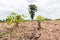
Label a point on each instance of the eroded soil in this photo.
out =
(50, 30)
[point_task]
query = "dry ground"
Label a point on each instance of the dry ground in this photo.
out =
(28, 31)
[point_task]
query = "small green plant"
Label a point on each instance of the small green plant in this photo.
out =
(39, 19)
(14, 18)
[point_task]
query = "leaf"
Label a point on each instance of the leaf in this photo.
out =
(40, 18)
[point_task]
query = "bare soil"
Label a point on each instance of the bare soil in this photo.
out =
(50, 30)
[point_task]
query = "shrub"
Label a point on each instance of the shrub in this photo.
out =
(14, 18)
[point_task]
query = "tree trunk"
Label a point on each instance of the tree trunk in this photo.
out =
(39, 25)
(17, 24)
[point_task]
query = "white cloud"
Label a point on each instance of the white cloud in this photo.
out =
(13, 4)
(48, 8)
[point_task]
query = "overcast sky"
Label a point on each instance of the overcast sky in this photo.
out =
(46, 8)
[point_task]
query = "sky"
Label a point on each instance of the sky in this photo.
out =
(46, 8)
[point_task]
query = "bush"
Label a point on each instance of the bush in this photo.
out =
(40, 18)
(14, 18)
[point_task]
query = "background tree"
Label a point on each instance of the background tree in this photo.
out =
(32, 10)
(1, 20)
(57, 19)
(47, 19)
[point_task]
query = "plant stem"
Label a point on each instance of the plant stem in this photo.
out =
(39, 25)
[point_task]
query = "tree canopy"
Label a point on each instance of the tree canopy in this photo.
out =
(32, 9)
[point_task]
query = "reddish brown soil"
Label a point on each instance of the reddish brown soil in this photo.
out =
(50, 30)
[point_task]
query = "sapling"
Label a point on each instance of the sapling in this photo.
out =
(39, 19)
(14, 18)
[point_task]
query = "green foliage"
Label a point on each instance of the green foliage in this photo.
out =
(15, 18)
(47, 19)
(58, 19)
(3, 20)
(11, 18)
(0, 20)
(40, 18)
(32, 10)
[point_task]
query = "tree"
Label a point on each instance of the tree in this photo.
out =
(47, 19)
(1, 21)
(14, 17)
(57, 19)
(32, 10)
(39, 19)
